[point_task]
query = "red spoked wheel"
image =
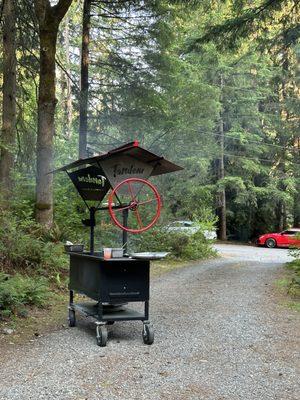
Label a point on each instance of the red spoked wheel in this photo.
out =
(141, 200)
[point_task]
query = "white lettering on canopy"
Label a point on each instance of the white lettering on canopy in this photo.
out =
(97, 180)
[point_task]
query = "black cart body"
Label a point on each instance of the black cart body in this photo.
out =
(110, 283)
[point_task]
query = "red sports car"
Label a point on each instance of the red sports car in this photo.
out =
(288, 238)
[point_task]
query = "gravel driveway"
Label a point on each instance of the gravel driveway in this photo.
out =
(220, 333)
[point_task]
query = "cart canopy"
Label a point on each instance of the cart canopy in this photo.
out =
(159, 164)
(94, 176)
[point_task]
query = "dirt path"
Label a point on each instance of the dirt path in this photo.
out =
(220, 334)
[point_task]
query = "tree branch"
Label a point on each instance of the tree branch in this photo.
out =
(61, 8)
(240, 26)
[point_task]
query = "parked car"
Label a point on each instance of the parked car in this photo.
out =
(189, 228)
(288, 238)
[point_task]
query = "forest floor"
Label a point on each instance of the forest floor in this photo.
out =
(222, 331)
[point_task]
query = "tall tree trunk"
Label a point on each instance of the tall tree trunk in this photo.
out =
(9, 97)
(222, 192)
(84, 84)
(46, 112)
(49, 18)
(280, 216)
(285, 116)
(66, 85)
(221, 174)
(297, 190)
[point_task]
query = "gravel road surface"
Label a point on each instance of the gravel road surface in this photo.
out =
(220, 333)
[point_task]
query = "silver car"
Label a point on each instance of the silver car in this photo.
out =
(190, 227)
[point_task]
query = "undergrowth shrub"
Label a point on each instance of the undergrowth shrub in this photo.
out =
(180, 245)
(294, 266)
(29, 264)
(17, 291)
(24, 245)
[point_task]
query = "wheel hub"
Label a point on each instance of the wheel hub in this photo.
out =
(133, 205)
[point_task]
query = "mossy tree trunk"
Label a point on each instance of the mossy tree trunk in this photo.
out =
(66, 86)
(84, 80)
(49, 18)
(9, 97)
(297, 191)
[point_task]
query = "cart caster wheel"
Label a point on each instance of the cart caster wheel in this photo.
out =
(148, 334)
(101, 335)
(72, 318)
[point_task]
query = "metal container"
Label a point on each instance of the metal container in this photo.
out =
(77, 248)
(117, 252)
(147, 255)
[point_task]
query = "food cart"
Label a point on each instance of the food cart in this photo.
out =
(112, 278)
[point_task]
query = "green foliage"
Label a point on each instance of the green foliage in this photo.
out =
(25, 245)
(146, 85)
(33, 259)
(180, 245)
(294, 266)
(18, 291)
(249, 20)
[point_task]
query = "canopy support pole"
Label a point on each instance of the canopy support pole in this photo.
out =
(125, 233)
(92, 234)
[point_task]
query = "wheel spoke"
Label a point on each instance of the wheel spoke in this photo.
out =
(146, 201)
(138, 217)
(142, 187)
(122, 208)
(131, 192)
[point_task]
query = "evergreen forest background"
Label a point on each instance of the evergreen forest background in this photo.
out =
(210, 85)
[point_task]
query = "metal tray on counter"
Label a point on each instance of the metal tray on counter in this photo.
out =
(150, 255)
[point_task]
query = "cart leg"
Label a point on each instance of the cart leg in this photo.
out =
(71, 314)
(71, 298)
(100, 310)
(146, 310)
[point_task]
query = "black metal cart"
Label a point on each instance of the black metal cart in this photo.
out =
(113, 283)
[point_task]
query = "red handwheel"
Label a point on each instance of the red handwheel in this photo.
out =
(142, 201)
